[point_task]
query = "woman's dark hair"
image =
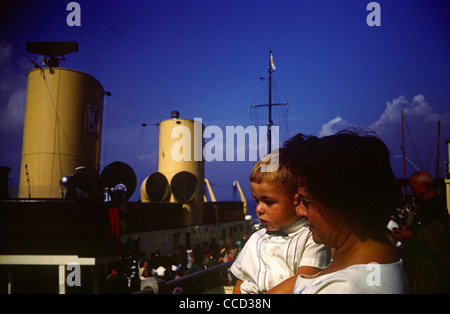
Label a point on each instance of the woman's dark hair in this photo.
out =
(296, 149)
(350, 173)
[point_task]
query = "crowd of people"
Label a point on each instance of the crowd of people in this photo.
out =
(132, 275)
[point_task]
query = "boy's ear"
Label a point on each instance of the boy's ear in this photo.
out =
(296, 199)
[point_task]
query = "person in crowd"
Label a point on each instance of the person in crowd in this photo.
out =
(285, 246)
(159, 272)
(426, 241)
(181, 255)
(347, 192)
(222, 244)
(169, 273)
(79, 187)
(145, 270)
(116, 281)
(244, 239)
(229, 242)
(155, 259)
(215, 248)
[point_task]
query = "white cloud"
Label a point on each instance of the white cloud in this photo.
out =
(333, 126)
(420, 131)
(12, 91)
(418, 110)
(13, 113)
(5, 53)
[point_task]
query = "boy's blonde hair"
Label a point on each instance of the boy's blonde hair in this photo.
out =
(282, 176)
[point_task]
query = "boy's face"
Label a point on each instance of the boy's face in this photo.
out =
(274, 206)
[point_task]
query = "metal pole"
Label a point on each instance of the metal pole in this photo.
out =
(270, 122)
(403, 149)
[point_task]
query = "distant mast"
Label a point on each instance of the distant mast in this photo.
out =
(403, 148)
(271, 69)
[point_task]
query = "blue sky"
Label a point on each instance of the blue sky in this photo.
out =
(206, 59)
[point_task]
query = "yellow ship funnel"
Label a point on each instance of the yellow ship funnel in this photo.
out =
(62, 130)
(181, 171)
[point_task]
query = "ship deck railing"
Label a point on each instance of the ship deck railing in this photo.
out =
(214, 279)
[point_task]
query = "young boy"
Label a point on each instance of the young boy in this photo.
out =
(284, 248)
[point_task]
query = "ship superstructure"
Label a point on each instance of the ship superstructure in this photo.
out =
(67, 207)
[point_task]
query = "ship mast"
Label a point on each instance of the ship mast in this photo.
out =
(438, 153)
(271, 69)
(403, 152)
(403, 148)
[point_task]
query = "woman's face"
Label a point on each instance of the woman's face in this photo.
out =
(325, 226)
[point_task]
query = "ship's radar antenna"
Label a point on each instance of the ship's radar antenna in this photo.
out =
(52, 50)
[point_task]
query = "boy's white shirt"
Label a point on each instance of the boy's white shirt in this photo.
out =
(267, 260)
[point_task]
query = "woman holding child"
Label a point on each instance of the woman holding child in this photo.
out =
(285, 246)
(347, 192)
